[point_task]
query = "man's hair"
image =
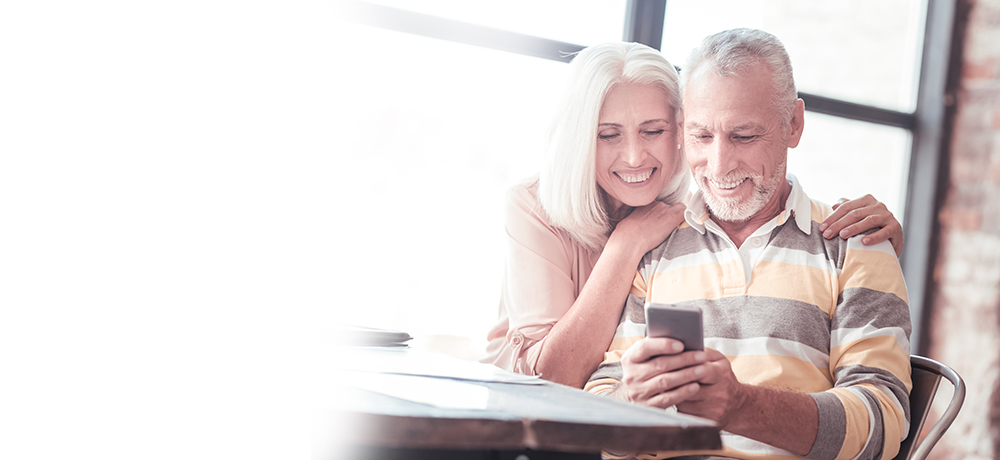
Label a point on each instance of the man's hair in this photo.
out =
(567, 187)
(731, 52)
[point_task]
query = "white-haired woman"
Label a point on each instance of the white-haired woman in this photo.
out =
(611, 189)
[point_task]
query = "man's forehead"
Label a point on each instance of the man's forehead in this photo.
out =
(731, 102)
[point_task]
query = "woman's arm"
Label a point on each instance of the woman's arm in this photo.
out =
(851, 217)
(577, 342)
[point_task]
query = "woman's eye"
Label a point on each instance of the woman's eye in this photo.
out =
(607, 136)
(653, 133)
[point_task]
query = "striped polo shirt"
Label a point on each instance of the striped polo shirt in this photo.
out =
(792, 311)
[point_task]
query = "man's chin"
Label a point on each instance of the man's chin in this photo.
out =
(729, 211)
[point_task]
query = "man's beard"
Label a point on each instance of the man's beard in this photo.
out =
(739, 209)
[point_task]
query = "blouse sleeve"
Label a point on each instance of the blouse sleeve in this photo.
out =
(538, 286)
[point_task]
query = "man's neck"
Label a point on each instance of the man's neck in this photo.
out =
(738, 232)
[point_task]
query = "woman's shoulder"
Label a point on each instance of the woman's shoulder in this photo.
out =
(523, 196)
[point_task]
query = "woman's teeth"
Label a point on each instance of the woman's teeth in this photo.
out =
(635, 178)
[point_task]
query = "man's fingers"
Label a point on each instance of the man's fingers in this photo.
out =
(675, 396)
(648, 348)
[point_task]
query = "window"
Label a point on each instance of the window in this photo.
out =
(443, 126)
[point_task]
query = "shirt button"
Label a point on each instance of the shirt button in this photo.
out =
(756, 241)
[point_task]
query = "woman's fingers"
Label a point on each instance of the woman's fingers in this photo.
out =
(854, 217)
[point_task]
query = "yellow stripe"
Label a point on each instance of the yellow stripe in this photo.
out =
(803, 283)
(708, 281)
(857, 424)
(600, 385)
(882, 352)
(893, 421)
(781, 373)
(618, 347)
(638, 286)
(879, 270)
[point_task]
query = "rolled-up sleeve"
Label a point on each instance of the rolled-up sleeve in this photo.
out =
(539, 283)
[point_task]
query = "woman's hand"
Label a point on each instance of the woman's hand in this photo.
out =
(647, 226)
(851, 217)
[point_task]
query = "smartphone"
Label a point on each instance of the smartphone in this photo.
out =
(675, 322)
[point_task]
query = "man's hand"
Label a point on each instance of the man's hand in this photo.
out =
(720, 396)
(656, 372)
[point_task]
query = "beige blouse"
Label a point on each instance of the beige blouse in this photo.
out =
(544, 273)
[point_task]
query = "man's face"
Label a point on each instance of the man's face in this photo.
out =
(735, 142)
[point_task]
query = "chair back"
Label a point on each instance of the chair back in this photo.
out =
(926, 375)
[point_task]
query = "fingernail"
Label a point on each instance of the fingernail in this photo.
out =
(678, 346)
(699, 371)
(828, 234)
(844, 233)
(866, 240)
(823, 227)
(693, 388)
(699, 356)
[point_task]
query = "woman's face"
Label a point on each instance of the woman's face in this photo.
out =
(636, 145)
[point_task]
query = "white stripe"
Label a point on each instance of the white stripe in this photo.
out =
(769, 346)
(744, 444)
(871, 418)
(854, 244)
(845, 335)
(802, 258)
(630, 329)
(702, 257)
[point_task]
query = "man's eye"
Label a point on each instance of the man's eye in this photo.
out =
(744, 138)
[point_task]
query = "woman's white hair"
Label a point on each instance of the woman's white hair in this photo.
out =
(567, 185)
(730, 52)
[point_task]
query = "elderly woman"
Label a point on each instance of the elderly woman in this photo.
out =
(611, 189)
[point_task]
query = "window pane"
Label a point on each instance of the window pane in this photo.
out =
(841, 158)
(432, 135)
(856, 50)
(581, 22)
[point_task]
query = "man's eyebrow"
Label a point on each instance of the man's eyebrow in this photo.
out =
(755, 127)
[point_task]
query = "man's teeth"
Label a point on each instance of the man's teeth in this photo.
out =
(634, 178)
(729, 184)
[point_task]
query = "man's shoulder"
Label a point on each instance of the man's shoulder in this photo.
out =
(684, 240)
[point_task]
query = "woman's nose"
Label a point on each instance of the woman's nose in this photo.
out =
(633, 151)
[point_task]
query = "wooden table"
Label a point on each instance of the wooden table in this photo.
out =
(463, 410)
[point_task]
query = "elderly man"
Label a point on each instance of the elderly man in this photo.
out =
(807, 339)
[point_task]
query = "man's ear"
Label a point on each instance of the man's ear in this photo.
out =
(796, 124)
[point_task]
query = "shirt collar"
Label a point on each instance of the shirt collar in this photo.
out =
(798, 206)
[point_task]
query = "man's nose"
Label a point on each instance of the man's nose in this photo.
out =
(721, 158)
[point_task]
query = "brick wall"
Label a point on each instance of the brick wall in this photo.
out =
(965, 308)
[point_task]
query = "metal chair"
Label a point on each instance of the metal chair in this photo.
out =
(926, 375)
